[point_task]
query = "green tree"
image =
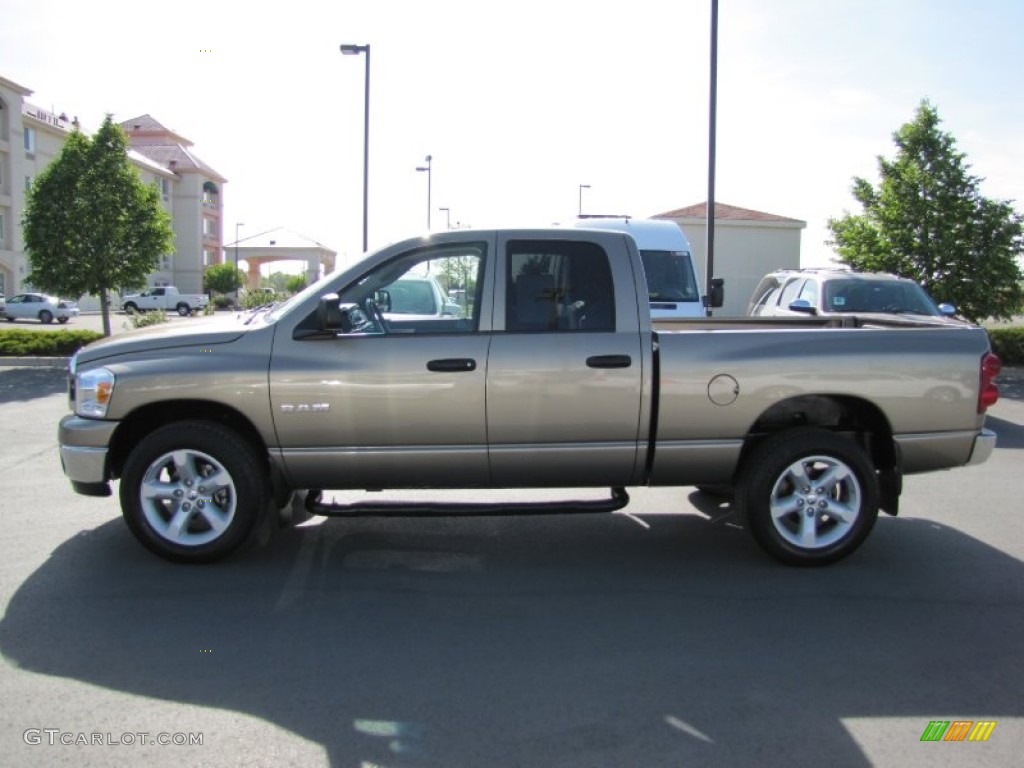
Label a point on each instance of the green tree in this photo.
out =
(295, 283)
(223, 278)
(90, 224)
(928, 221)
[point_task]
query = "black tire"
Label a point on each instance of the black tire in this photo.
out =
(844, 504)
(237, 500)
(184, 309)
(62, 320)
(130, 307)
(45, 316)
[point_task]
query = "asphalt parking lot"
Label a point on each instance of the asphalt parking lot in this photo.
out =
(583, 641)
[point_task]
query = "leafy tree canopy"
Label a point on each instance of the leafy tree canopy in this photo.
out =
(928, 221)
(223, 278)
(90, 224)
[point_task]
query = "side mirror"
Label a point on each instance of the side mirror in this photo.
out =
(382, 299)
(947, 310)
(332, 315)
(802, 305)
(717, 291)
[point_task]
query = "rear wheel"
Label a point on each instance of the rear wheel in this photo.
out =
(193, 491)
(46, 317)
(810, 496)
(62, 320)
(184, 309)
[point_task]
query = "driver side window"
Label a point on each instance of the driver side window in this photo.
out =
(426, 291)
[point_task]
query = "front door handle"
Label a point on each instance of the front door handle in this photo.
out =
(609, 361)
(452, 365)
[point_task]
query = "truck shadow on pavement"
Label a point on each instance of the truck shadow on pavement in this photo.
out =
(510, 641)
(22, 384)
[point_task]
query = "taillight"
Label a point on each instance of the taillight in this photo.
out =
(988, 392)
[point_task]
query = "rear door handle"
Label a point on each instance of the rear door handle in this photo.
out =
(609, 361)
(452, 364)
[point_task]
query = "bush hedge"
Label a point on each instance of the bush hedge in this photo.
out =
(1008, 343)
(15, 342)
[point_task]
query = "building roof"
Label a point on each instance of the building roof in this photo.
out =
(278, 238)
(147, 126)
(13, 86)
(142, 160)
(725, 212)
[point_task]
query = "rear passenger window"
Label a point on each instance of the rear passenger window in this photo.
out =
(558, 286)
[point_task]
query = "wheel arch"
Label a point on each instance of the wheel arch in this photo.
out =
(856, 417)
(148, 418)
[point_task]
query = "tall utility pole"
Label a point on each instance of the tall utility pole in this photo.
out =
(354, 50)
(709, 260)
(580, 209)
(427, 169)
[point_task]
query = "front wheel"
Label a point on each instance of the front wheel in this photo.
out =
(810, 496)
(184, 309)
(193, 491)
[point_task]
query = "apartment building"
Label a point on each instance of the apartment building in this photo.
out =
(190, 190)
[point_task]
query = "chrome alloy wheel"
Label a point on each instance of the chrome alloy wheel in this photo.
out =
(815, 502)
(188, 497)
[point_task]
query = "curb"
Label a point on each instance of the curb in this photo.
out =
(34, 362)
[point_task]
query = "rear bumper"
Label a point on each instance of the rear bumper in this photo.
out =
(984, 444)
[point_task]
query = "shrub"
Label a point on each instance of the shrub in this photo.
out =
(223, 302)
(16, 342)
(1008, 343)
(144, 319)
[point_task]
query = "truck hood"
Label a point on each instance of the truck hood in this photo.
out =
(186, 333)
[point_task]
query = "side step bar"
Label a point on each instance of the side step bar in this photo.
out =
(315, 505)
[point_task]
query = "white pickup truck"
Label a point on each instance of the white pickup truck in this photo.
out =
(165, 297)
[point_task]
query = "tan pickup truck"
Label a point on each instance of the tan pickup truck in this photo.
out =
(550, 374)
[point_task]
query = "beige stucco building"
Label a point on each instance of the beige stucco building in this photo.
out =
(190, 191)
(748, 245)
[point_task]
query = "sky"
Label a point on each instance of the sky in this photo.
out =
(520, 104)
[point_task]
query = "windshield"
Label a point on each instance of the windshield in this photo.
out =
(669, 276)
(894, 296)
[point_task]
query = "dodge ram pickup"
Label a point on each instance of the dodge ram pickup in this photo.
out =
(553, 376)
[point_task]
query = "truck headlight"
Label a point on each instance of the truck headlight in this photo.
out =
(93, 390)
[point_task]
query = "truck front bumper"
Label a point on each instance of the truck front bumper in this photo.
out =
(984, 444)
(83, 453)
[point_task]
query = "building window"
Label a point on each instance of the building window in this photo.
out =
(3, 232)
(28, 183)
(165, 188)
(210, 195)
(209, 228)
(165, 262)
(30, 141)
(209, 257)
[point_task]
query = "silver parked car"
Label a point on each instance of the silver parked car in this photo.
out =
(793, 292)
(38, 306)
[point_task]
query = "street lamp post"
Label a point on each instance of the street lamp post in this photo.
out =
(427, 169)
(355, 50)
(582, 187)
(448, 217)
(237, 225)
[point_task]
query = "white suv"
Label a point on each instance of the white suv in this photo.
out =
(792, 292)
